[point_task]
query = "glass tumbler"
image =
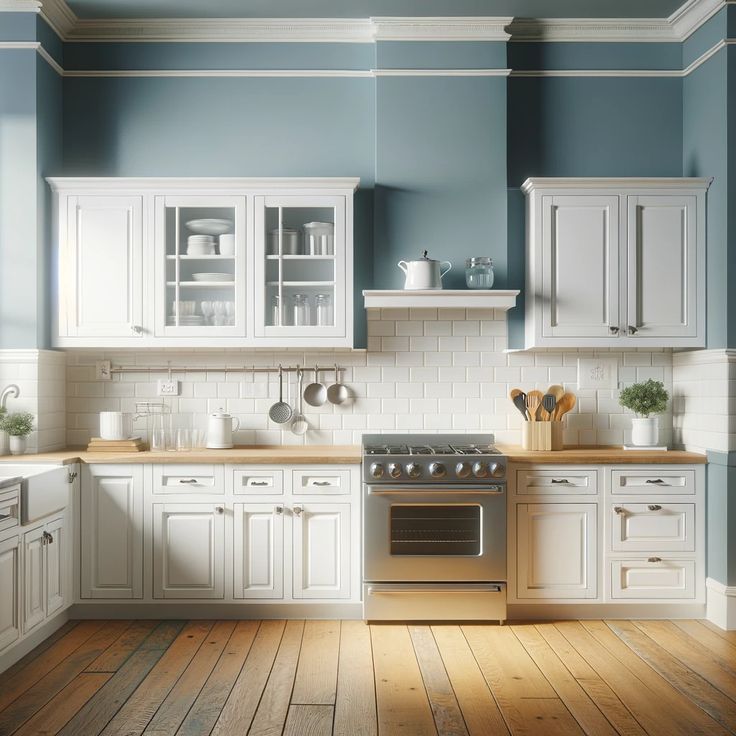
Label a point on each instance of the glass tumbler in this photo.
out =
(160, 431)
(300, 309)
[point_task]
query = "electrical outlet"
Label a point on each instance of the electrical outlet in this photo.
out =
(168, 388)
(102, 370)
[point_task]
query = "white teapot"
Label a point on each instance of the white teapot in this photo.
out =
(425, 273)
(220, 428)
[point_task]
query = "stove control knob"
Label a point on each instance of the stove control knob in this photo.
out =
(394, 470)
(498, 470)
(413, 470)
(480, 470)
(463, 470)
(376, 470)
(437, 470)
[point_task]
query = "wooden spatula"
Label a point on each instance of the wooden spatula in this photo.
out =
(533, 402)
(564, 405)
(519, 399)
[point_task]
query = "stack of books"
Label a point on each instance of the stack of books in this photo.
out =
(132, 444)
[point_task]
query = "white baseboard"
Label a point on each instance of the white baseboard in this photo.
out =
(721, 604)
(572, 611)
(26, 644)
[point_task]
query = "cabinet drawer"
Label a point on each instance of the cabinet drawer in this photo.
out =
(655, 527)
(9, 507)
(652, 577)
(557, 482)
(320, 482)
(258, 482)
(193, 479)
(665, 482)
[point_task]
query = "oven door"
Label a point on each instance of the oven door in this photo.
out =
(434, 534)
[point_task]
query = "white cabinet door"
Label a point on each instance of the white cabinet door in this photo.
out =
(57, 571)
(34, 578)
(556, 550)
(580, 266)
(259, 550)
(112, 531)
(662, 268)
(101, 267)
(188, 550)
(10, 587)
(321, 545)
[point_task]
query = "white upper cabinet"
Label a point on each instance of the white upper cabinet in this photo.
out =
(205, 262)
(615, 262)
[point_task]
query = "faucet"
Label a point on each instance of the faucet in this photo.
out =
(11, 391)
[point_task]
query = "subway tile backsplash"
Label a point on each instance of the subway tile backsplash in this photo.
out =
(424, 370)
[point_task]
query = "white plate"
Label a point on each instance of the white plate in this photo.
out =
(213, 277)
(210, 226)
(201, 239)
(200, 251)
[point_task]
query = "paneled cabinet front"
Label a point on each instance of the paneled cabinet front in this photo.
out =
(615, 262)
(112, 531)
(11, 591)
(205, 262)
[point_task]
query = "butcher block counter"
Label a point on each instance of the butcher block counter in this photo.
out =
(602, 455)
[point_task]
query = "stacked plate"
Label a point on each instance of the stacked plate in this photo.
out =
(201, 245)
(192, 320)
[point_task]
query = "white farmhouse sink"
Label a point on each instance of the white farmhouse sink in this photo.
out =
(43, 490)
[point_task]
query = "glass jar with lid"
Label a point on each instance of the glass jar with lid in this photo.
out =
(479, 272)
(300, 310)
(323, 307)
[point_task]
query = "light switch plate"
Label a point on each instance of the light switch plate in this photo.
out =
(597, 373)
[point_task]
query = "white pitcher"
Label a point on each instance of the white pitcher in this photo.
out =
(425, 273)
(220, 430)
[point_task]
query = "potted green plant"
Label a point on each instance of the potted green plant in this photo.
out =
(18, 425)
(645, 399)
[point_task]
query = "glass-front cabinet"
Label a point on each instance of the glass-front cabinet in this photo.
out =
(215, 262)
(300, 266)
(200, 274)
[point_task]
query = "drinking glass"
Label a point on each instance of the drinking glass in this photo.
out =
(160, 431)
(219, 318)
(207, 311)
(230, 312)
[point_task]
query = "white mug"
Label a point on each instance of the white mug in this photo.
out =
(115, 425)
(227, 244)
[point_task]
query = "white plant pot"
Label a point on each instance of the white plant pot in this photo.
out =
(644, 431)
(18, 445)
(4, 444)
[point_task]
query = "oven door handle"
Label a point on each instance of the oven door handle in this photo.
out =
(433, 490)
(393, 590)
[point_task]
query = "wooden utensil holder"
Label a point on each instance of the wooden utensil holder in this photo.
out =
(541, 436)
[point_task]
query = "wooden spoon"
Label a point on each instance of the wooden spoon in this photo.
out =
(564, 405)
(556, 390)
(533, 402)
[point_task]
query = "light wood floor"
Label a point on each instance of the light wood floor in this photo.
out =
(331, 677)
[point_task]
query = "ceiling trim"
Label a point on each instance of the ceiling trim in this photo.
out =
(291, 73)
(675, 28)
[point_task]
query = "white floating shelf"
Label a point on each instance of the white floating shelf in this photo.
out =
(462, 298)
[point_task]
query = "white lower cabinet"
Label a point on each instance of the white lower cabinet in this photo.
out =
(557, 550)
(321, 543)
(188, 550)
(258, 537)
(112, 531)
(10, 587)
(45, 572)
(653, 578)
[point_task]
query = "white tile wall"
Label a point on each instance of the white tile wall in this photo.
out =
(704, 400)
(424, 370)
(41, 377)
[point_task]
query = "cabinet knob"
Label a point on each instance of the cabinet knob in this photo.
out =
(298, 510)
(613, 329)
(136, 329)
(619, 510)
(633, 330)
(654, 507)
(279, 510)
(219, 509)
(654, 559)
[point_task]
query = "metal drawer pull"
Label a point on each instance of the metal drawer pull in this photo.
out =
(190, 481)
(321, 483)
(655, 481)
(5, 516)
(47, 538)
(279, 509)
(619, 509)
(298, 510)
(259, 483)
(633, 330)
(413, 591)
(71, 477)
(560, 480)
(654, 507)
(654, 559)
(613, 329)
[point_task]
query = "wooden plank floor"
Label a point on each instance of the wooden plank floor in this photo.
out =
(304, 678)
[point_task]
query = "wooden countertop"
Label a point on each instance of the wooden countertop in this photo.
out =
(351, 455)
(602, 455)
(247, 455)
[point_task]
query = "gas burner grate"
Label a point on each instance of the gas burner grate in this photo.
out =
(387, 450)
(421, 450)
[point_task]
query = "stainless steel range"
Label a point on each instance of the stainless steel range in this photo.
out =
(434, 527)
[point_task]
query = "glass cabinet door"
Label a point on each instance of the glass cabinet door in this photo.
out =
(200, 266)
(300, 266)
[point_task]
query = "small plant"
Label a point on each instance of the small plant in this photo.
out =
(19, 424)
(645, 398)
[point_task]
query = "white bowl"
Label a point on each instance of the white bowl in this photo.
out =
(212, 276)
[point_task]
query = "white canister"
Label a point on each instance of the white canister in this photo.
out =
(227, 244)
(220, 428)
(115, 425)
(319, 239)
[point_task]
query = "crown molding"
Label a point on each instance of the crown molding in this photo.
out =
(60, 17)
(620, 30)
(441, 29)
(690, 16)
(20, 6)
(220, 73)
